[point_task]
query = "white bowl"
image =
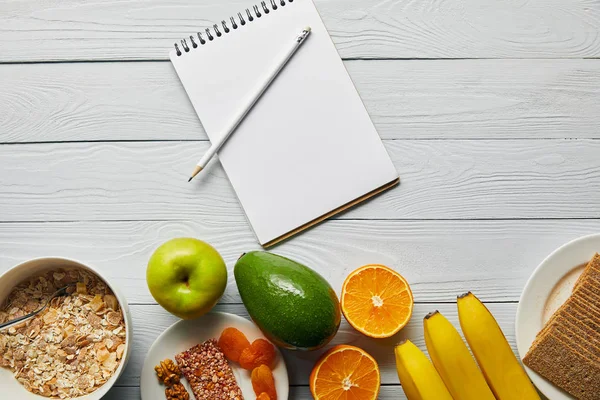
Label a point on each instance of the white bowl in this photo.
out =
(9, 387)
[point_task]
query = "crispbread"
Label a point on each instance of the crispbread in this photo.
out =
(550, 322)
(579, 334)
(593, 264)
(583, 292)
(591, 283)
(585, 308)
(583, 323)
(568, 336)
(588, 298)
(589, 287)
(576, 310)
(586, 324)
(556, 361)
(582, 351)
(594, 286)
(588, 304)
(592, 269)
(567, 349)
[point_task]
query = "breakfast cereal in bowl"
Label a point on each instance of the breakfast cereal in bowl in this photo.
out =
(75, 345)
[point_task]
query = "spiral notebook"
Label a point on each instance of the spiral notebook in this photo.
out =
(307, 149)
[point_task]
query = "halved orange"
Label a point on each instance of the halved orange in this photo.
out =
(377, 301)
(345, 373)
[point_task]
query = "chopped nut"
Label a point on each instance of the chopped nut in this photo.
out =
(177, 392)
(170, 366)
(171, 379)
(167, 372)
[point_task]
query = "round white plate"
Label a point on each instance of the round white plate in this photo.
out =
(187, 333)
(547, 289)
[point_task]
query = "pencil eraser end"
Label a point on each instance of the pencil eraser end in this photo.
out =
(307, 29)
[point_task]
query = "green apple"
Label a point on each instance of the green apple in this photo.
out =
(187, 277)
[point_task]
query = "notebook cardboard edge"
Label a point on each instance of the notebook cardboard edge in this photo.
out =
(330, 214)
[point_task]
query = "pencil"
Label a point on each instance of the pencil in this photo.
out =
(260, 89)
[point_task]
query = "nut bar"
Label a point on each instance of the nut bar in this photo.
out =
(208, 373)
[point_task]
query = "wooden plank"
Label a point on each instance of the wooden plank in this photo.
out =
(385, 393)
(296, 393)
(123, 393)
(133, 30)
(448, 179)
(440, 259)
(150, 321)
(437, 99)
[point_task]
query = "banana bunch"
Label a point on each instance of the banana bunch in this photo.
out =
(454, 374)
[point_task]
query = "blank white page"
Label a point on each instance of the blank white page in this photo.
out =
(308, 146)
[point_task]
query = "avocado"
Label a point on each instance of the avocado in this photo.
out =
(294, 306)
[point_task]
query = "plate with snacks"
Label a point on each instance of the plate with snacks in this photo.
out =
(558, 322)
(76, 346)
(216, 356)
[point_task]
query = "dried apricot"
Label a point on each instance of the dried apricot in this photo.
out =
(260, 352)
(232, 342)
(263, 382)
(263, 396)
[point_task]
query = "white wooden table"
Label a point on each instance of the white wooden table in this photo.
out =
(490, 110)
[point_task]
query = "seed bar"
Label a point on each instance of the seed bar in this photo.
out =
(208, 373)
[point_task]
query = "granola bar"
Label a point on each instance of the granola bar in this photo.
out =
(208, 373)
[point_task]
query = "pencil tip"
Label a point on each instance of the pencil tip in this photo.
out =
(191, 177)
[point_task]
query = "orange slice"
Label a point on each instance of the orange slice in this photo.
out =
(377, 301)
(345, 373)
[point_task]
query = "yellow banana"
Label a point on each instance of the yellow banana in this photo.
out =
(419, 379)
(453, 361)
(501, 369)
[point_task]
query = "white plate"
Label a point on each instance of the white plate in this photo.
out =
(187, 333)
(548, 287)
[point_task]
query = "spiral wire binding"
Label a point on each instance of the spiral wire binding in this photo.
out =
(257, 11)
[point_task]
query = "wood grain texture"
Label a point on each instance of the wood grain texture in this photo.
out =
(437, 99)
(133, 30)
(449, 179)
(440, 259)
(296, 393)
(150, 321)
